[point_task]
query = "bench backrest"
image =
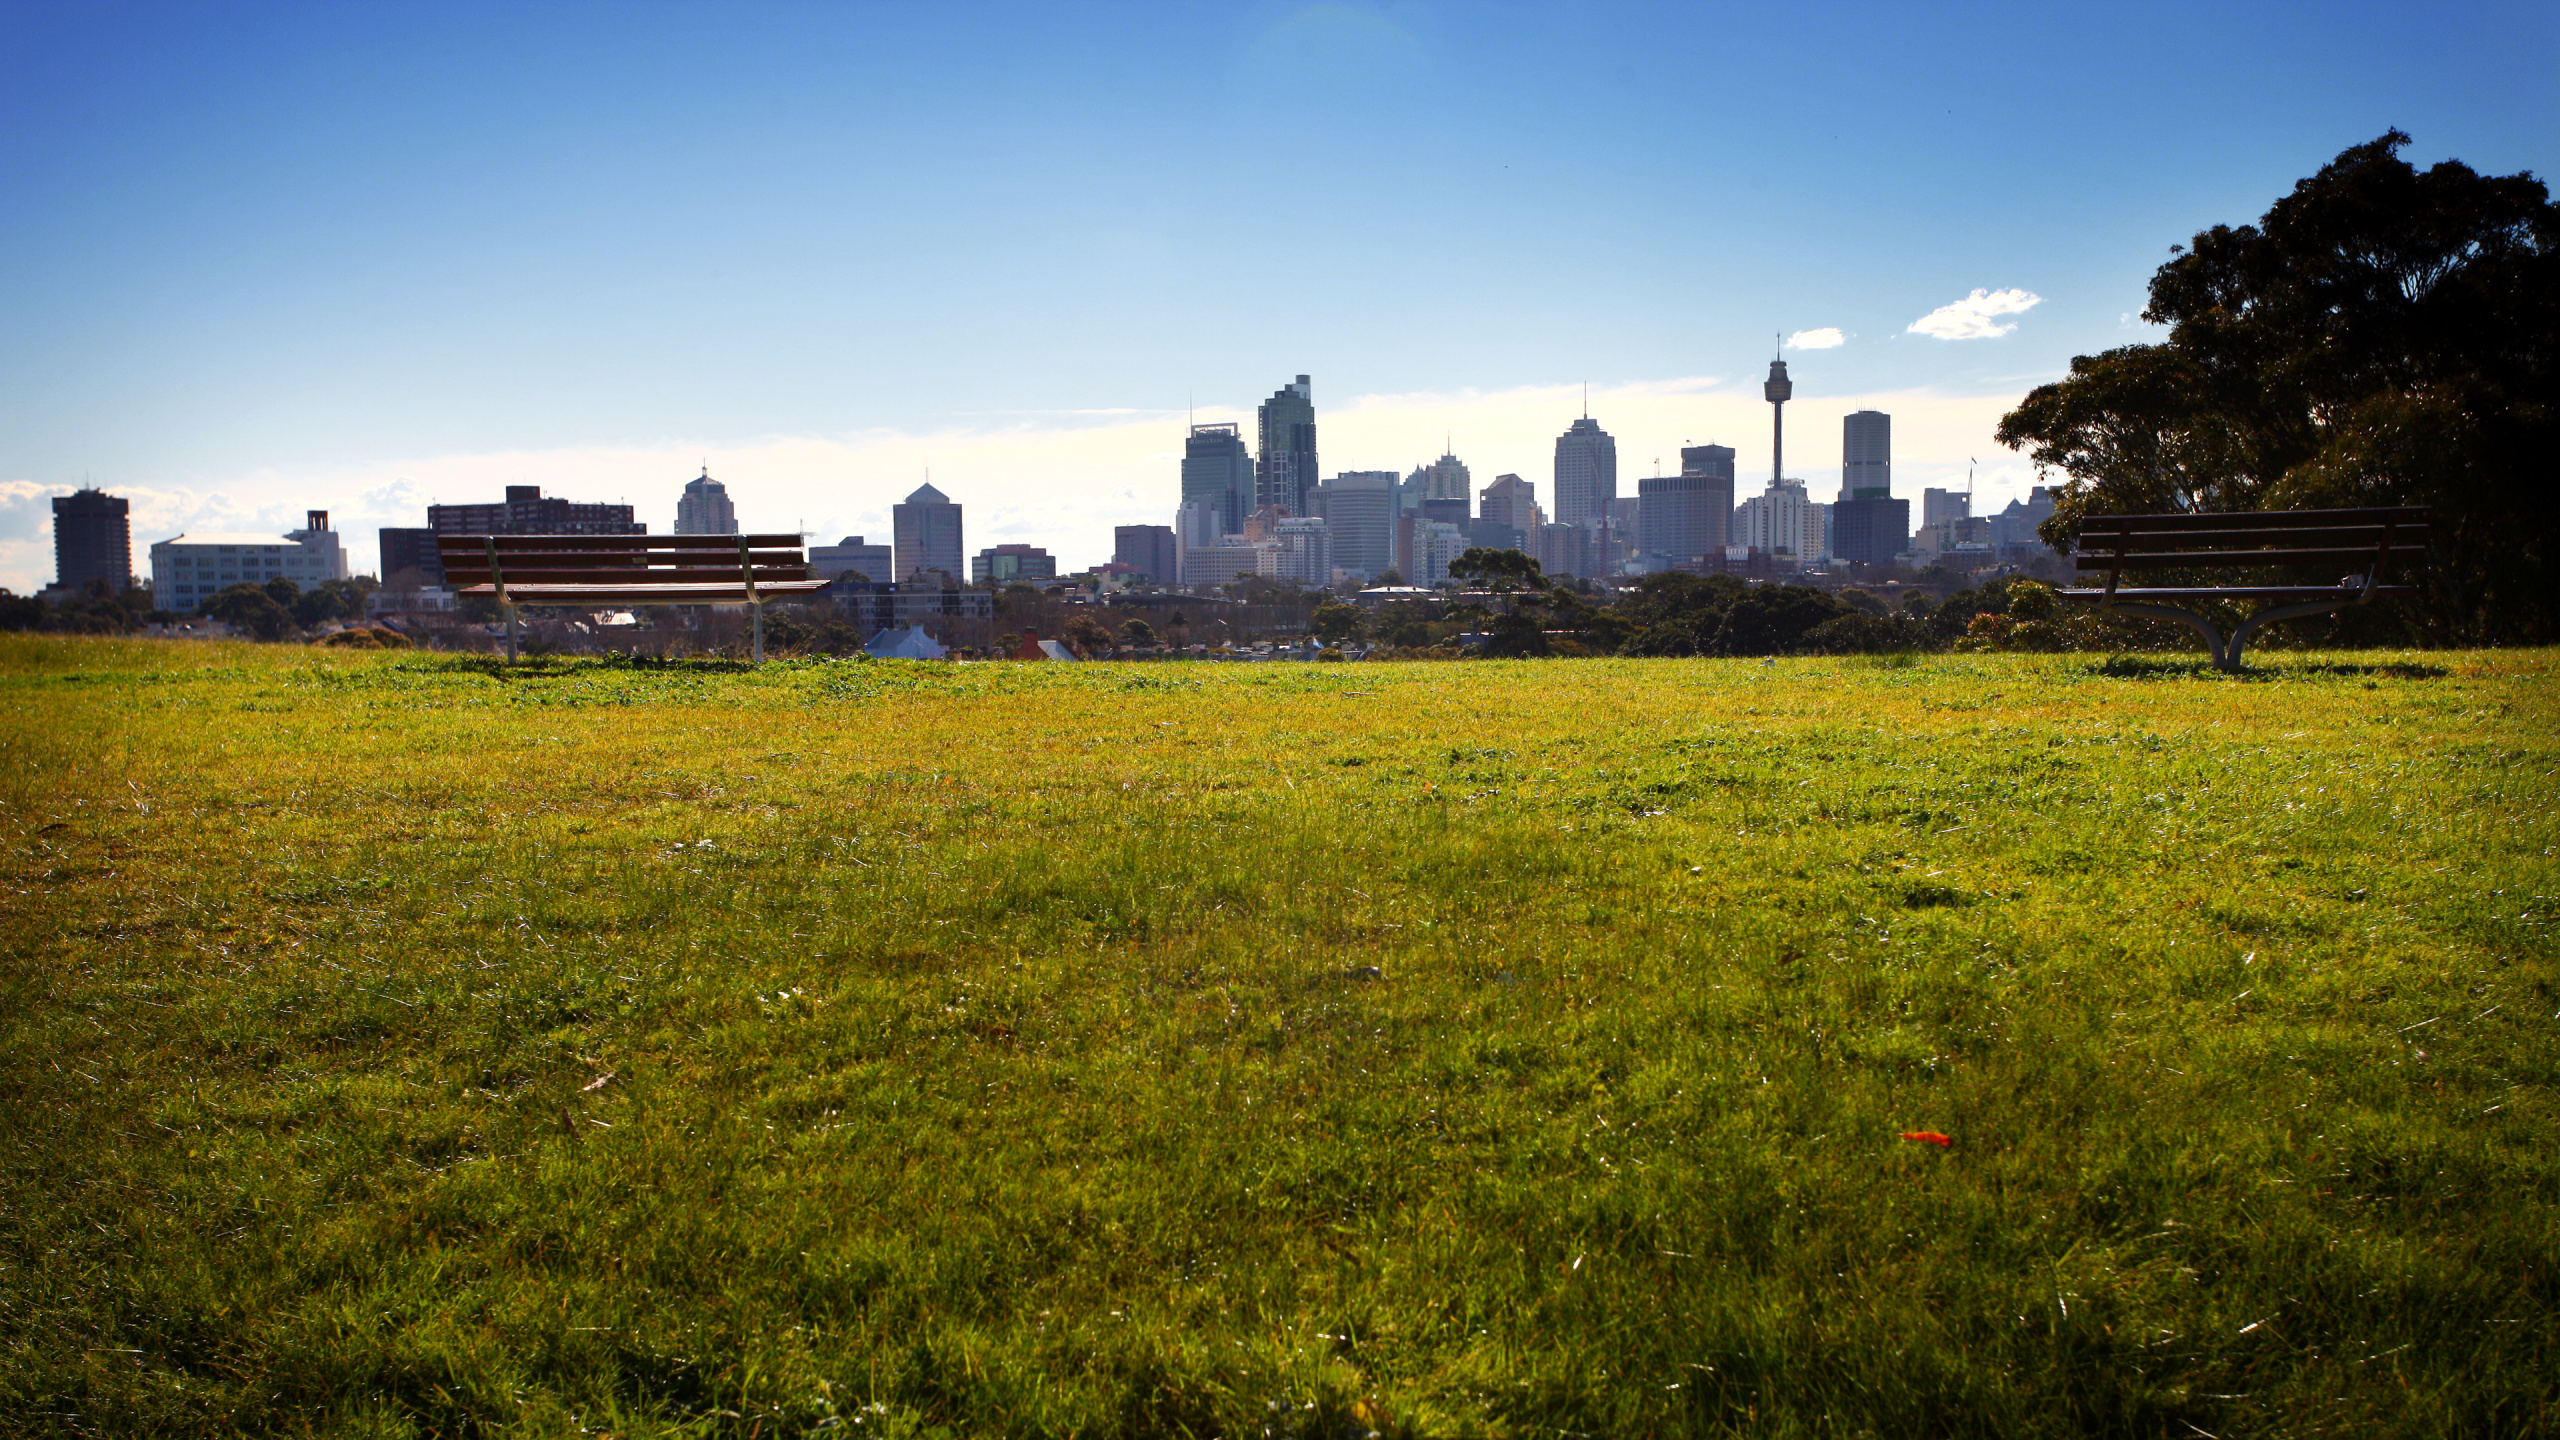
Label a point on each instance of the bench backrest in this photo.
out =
(2370, 538)
(620, 560)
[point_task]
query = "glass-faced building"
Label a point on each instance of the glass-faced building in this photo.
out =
(1285, 470)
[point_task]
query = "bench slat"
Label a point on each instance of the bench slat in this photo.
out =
(702, 594)
(2224, 559)
(2241, 592)
(2411, 536)
(2253, 519)
(620, 575)
(715, 544)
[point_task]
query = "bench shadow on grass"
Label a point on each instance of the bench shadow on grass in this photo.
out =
(2154, 667)
(548, 667)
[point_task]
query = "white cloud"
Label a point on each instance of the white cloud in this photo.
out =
(1971, 317)
(1054, 481)
(1826, 338)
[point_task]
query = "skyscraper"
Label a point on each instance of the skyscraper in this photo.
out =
(1687, 517)
(1359, 508)
(1511, 501)
(1217, 471)
(705, 508)
(927, 534)
(1866, 453)
(1146, 549)
(1586, 473)
(1285, 467)
(92, 540)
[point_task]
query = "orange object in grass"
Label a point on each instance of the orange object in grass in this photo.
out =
(1929, 1136)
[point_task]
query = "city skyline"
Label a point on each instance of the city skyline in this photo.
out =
(352, 292)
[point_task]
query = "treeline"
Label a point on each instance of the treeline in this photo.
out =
(279, 609)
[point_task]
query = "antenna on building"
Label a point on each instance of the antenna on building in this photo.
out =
(1586, 399)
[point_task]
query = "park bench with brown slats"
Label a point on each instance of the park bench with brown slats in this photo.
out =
(627, 570)
(2369, 540)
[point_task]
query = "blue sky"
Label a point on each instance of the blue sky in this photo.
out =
(258, 258)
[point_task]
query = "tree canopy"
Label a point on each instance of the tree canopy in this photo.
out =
(2383, 335)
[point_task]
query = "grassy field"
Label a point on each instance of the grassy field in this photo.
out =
(391, 1045)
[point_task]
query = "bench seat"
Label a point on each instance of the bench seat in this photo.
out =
(2370, 539)
(594, 570)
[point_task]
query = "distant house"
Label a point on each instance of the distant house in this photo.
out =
(905, 643)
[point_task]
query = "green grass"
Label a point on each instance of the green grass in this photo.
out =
(391, 1045)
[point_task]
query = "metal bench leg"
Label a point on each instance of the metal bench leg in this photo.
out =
(759, 613)
(511, 634)
(2271, 615)
(2224, 658)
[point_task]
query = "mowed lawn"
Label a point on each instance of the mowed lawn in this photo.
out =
(391, 1045)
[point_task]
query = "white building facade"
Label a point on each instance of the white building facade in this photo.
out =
(188, 570)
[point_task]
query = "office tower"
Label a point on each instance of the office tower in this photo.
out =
(1218, 471)
(1586, 473)
(1409, 494)
(1866, 453)
(1870, 529)
(1780, 390)
(1436, 544)
(1285, 468)
(1146, 549)
(1776, 521)
(1938, 507)
(1007, 563)
(705, 508)
(1359, 509)
(92, 540)
(1511, 501)
(526, 512)
(1306, 550)
(850, 558)
(1197, 528)
(927, 534)
(1446, 479)
(1562, 549)
(409, 558)
(1682, 519)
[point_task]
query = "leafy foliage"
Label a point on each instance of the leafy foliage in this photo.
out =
(2382, 336)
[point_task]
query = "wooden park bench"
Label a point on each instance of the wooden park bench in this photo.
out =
(2365, 540)
(598, 570)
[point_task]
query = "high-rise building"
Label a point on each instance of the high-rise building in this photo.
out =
(1937, 506)
(1511, 501)
(927, 534)
(92, 540)
(526, 512)
(1446, 479)
(1146, 549)
(851, 556)
(1870, 528)
(1436, 544)
(318, 540)
(1776, 522)
(1359, 508)
(409, 559)
(1217, 471)
(1866, 453)
(1007, 563)
(1562, 549)
(1586, 473)
(705, 508)
(1285, 466)
(1685, 518)
(1306, 550)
